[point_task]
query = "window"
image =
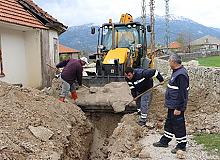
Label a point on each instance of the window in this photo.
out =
(55, 49)
(1, 65)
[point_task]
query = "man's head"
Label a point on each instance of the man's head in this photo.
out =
(175, 61)
(129, 73)
(84, 61)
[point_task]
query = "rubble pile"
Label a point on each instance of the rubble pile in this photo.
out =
(201, 116)
(36, 126)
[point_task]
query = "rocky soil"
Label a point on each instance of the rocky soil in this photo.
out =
(129, 141)
(34, 125)
(37, 126)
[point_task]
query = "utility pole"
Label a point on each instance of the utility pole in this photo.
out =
(167, 33)
(152, 21)
(143, 13)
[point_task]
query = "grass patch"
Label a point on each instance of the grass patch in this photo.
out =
(208, 61)
(187, 60)
(210, 141)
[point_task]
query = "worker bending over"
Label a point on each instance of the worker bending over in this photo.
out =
(72, 71)
(139, 81)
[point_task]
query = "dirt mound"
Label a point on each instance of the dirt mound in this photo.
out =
(124, 141)
(202, 115)
(36, 126)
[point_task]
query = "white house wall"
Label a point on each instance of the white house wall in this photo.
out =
(21, 57)
(33, 58)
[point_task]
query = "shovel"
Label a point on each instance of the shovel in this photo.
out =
(146, 91)
(57, 74)
(53, 67)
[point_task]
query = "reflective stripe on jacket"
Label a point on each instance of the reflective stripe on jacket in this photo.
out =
(173, 99)
(142, 80)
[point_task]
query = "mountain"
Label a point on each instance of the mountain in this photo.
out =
(80, 37)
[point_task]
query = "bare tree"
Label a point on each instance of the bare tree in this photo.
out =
(181, 40)
(188, 42)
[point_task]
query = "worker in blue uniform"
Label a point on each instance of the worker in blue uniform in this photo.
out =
(139, 81)
(176, 99)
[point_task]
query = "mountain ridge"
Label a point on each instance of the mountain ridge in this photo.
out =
(80, 37)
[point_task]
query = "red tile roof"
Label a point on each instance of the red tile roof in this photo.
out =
(11, 11)
(64, 49)
(174, 45)
(43, 16)
(38, 9)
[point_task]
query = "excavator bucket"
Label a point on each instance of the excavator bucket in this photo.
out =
(91, 81)
(111, 97)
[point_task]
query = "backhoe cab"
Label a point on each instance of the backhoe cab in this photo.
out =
(120, 45)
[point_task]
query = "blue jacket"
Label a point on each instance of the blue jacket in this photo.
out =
(142, 80)
(176, 96)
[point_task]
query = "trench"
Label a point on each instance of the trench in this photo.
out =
(104, 125)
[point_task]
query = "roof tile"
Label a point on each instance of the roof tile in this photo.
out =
(31, 3)
(64, 49)
(174, 45)
(11, 11)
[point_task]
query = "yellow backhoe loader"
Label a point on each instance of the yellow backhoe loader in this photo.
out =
(120, 45)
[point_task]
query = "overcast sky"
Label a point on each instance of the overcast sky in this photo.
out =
(77, 12)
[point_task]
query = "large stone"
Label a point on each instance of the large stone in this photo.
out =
(93, 89)
(54, 156)
(144, 154)
(118, 106)
(41, 132)
(180, 154)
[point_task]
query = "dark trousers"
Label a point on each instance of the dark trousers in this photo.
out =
(175, 125)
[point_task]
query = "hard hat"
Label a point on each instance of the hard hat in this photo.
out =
(84, 59)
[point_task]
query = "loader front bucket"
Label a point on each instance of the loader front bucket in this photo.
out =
(100, 81)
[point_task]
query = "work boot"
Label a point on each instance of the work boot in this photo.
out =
(158, 144)
(62, 99)
(176, 149)
(139, 113)
(141, 123)
(74, 95)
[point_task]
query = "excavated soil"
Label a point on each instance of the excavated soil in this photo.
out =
(36, 126)
(67, 132)
(129, 141)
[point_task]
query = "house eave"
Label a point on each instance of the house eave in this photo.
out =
(47, 22)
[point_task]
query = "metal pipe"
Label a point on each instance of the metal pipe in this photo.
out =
(113, 36)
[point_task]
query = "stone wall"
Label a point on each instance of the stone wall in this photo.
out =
(195, 55)
(207, 78)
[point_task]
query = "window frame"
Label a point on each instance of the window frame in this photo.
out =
(1, 64)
